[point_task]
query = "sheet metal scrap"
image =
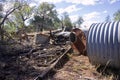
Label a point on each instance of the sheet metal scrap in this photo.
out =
(60, 37)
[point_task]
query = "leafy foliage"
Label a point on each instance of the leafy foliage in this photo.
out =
(117, 16)
(45, 17)
(66, 21)
(10, 26)
(22, 14)
(37, 22)
(80, 21)
(3, 20)
(1, 7)
(107, 19)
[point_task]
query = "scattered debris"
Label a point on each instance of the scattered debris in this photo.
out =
(28, 63)
(60, 37)
(41, 39)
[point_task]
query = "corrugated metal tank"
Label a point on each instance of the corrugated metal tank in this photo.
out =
(103, 44)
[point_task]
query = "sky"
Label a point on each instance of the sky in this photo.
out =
(92, 11)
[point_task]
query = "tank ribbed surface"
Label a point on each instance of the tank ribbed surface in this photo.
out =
(103, 43)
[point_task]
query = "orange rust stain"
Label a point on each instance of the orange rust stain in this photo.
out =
(80, 44)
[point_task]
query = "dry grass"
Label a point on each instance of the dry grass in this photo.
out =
(79, 68)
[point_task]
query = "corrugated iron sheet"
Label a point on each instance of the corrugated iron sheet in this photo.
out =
(103, 43)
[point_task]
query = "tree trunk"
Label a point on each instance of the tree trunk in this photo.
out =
(3, 20)
(1, 34)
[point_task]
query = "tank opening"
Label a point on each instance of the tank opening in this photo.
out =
(73, 37)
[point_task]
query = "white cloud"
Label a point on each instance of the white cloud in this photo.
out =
(84, 2)
(93, 17)
(105, 11)
(89, 18)
(113, 1)
(68, 9)
(88, 23)
(50, 1)
(74, 18)
(32, 4)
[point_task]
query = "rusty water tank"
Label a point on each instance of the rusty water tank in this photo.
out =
(78, 41)
(103, 44)
(85, 30)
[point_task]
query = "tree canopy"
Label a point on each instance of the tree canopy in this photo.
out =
(79, 21)
(22, 14)
(45, 16)
(107, 19)
(66, 21)
(117, 16)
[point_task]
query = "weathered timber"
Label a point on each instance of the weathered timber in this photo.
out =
(41, 76)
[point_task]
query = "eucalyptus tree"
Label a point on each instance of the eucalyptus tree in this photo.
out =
(36, 21)
(4, 18)
(107, 19)
(66, 21)
(22, 14)
(48, 16)
(79, 21)
(117, 15)
(1, 9)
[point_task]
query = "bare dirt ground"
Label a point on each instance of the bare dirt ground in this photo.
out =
(79, 68)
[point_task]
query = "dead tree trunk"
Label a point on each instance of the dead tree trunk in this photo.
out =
(3, 20)
(1, 33)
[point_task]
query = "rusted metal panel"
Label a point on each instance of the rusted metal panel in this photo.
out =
(103, 44)
(41, 39)
(85, 30)
(78, 41)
